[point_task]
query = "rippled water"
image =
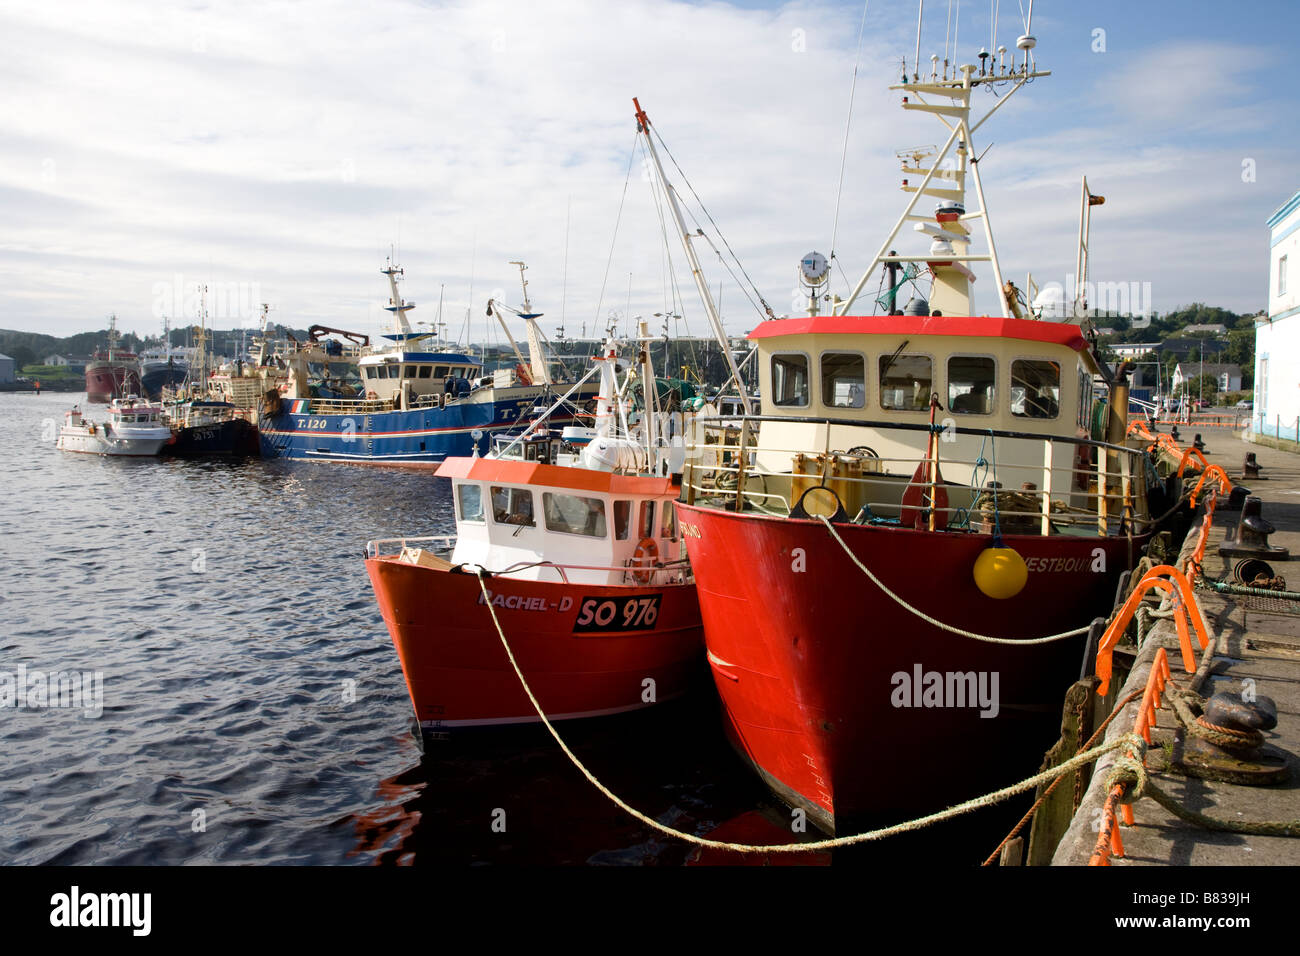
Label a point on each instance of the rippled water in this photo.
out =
(227, 606)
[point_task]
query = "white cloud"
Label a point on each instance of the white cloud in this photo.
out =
(288, 145)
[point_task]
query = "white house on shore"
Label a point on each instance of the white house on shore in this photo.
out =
(1277, 334)
(55, 360)
(1227, 377)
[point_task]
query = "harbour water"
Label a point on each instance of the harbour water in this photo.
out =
(253, 706)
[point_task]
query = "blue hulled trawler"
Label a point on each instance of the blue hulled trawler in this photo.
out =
(419, 402)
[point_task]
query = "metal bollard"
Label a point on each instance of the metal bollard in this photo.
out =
(1250, 538)
(1250, 467)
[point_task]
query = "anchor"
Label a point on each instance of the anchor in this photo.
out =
(1250, 538)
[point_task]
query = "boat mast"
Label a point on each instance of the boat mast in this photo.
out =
(396, 304)
(949, 227)
(536, 353)
(715, 320)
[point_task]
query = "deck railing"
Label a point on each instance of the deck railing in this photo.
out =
(1073, 485)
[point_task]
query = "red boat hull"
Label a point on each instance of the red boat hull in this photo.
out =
(107, 382)
(807, 655)
(564, 637)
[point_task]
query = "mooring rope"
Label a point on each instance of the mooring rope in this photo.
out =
(939, 624)
(976, 803)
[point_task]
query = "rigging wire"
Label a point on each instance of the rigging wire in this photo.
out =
(676, 305)
(766, 308)
(848, 122)
(618, 219)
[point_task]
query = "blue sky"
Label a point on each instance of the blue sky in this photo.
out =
(276, 150)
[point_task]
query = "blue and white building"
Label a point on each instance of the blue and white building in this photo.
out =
(1277, 334)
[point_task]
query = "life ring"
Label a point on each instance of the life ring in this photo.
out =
(643, 560)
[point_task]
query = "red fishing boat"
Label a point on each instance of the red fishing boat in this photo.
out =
(113, 373)
(899, 549)
(582, 563)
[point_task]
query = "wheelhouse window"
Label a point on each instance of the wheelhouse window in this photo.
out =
(410, 371)
(646, 526)
(668, 529)
(905, 382)
(622, 519)
(570, 514)
(440, 371)
(512, 506)
(470, 498)
(1035, 388)
(426, 371)
(971, 385)
(844, 380)
(1085, 400)
(790, 380)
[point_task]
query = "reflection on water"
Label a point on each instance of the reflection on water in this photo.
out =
(254, 709)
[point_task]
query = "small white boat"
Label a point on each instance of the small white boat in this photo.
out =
(133, 428)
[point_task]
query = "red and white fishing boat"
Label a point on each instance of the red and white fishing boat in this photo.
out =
(113, 373)
(584, 567)
(907, 476)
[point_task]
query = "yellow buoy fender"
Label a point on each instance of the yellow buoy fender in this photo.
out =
(1000, 572)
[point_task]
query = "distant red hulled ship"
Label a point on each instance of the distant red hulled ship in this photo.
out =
(113, 373)
(584, 568)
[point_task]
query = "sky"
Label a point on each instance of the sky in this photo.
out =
(277, 151)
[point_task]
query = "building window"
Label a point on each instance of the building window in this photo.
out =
(1261, 386)
(1281, 276)
(570, 514)
(1035, 388)
(844, 379)
(789, 380)
(971, 388)
(905, 382)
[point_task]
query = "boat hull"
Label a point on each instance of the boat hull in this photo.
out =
(77, 438)
(105, 381)
(414, 437)
(459, 676)
(826, 682)
(160, 375)
(236, 437)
